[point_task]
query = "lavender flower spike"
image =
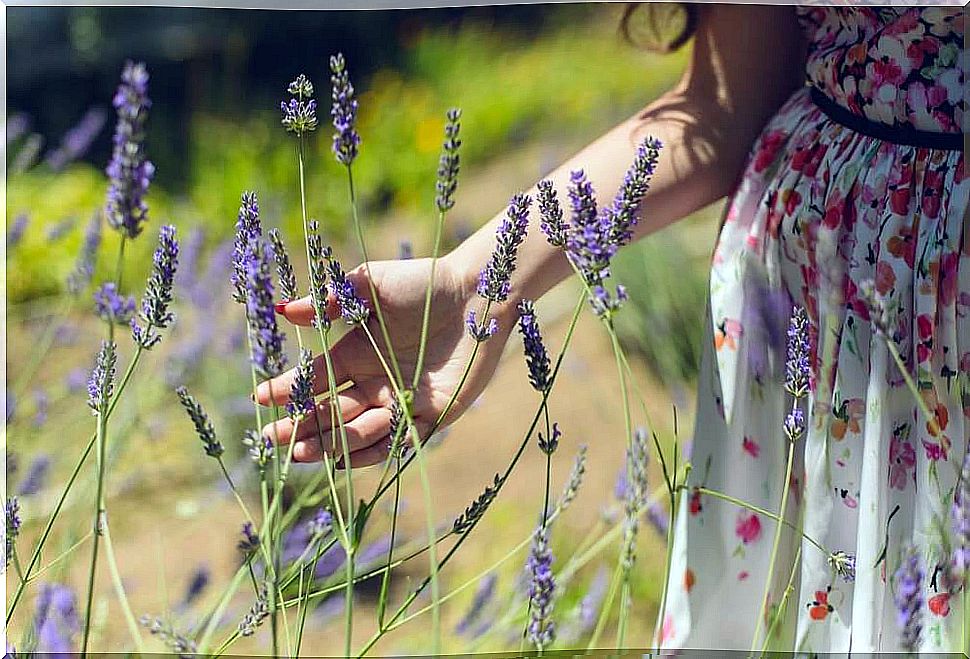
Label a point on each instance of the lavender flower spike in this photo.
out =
(248, 228)
(101, 381)
(909, 598)
(12, 530)
(636, 493)
(494, 282)
(80, 277)
(112, 307)
(960, 520)
(352, 307)
(797, 370)
(300, 113)
(129, 172)
(203, 425)
(541, 630)
(843, 564)
(257, 614)
(301, 391)
(156, 305)
(449, 163)
(575, 479)
(536, 355)
(622, 213)
(284, 268)
(319, 255)
(483, 595)
(480, 331)
(346, 141)
(264, 333)
(550, 213)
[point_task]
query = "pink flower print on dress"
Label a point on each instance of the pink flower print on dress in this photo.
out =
(902, 459)
(748, 527)
(751, 447)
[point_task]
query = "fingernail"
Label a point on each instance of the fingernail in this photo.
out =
(281, 306)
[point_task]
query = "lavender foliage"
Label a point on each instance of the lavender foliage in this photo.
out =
(346, 140)
(129, 172)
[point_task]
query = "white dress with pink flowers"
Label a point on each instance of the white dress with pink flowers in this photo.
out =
(859, 178)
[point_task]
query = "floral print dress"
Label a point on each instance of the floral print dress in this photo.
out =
(824, 211)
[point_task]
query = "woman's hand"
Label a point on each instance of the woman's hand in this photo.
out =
(366, 406)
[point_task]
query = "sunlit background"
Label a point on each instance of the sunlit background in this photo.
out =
(535, 83)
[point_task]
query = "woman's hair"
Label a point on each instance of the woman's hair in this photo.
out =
(659, 26)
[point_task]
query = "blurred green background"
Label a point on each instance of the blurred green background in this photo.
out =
(535, 83)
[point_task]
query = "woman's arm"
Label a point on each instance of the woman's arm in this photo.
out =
(746, 61)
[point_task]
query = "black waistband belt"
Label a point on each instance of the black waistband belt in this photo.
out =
(904, 134)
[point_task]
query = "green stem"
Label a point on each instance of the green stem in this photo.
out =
(789, 589)
(930, 416)
(119, 587)
(42, 347)
(98, 530)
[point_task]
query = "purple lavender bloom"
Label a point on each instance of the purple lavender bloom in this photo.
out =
(844, 565)
(483, 596)
(548, 445)
(352, 307)
(960, 522)
(56, 620)
(256, 615)
(250, 541)
(248, 228)
(449, 163)
(575, 479)
(541, 631)
(794, 425)
(584, 617)
(301, 391)
(156, 305)
(28, 154)
(17, 126)
(346, 140)
(495, 279)
(536, 356)
(300, 113)
(111, 307)
(12, 518)
(405, 250)
(319, 255)
(36, 475)
(321, 524)
(78, 139)
(11, 405)
(909, 579)
(191, 250)
(16, 231)
(797, 369)
(75, 380)
(203, 424)
(550, 214)
(198, 582)
(636, 495)
(129, 172)
(60, 229)
(587, 241)
(621, 215)
(101, 381)
(881, 316)
(480, 332)
(658, 518)
(40, 407)
(80, 277)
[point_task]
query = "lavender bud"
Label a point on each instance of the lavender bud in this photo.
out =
(474, 512)
(575, 479)
(844, 565)
(908, 580)
(265, 336)
(319, 255)
(405, 250)
(203, 425)
(483, 595)
(197, 584)
(112, 307)
(658, 518)
(960, 522)
(284, 268)
(301, 391)
(129, 172)
(257, 614)
(300, 113)
(448, 165)
(12, 516)
(797, 369)
(352, 307)
(156, 304)
(40, 407)
(495, 280)
(321, 524)
(480, 332)
(80, 277)
(248, 228)
(78, 139)
(880, 316)
(536, 356)
(346, 141)
(16, 231)
(622, 213)
(550, 214)
(250, 541)
(542, 589)
(55, 620)
(176, 642)
(794, 425)
(102, 379)
(548, 445)
(36, 475)
(260, 449)
(28, 154)
(637, 458)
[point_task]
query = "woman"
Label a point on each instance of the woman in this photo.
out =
(856, 177)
